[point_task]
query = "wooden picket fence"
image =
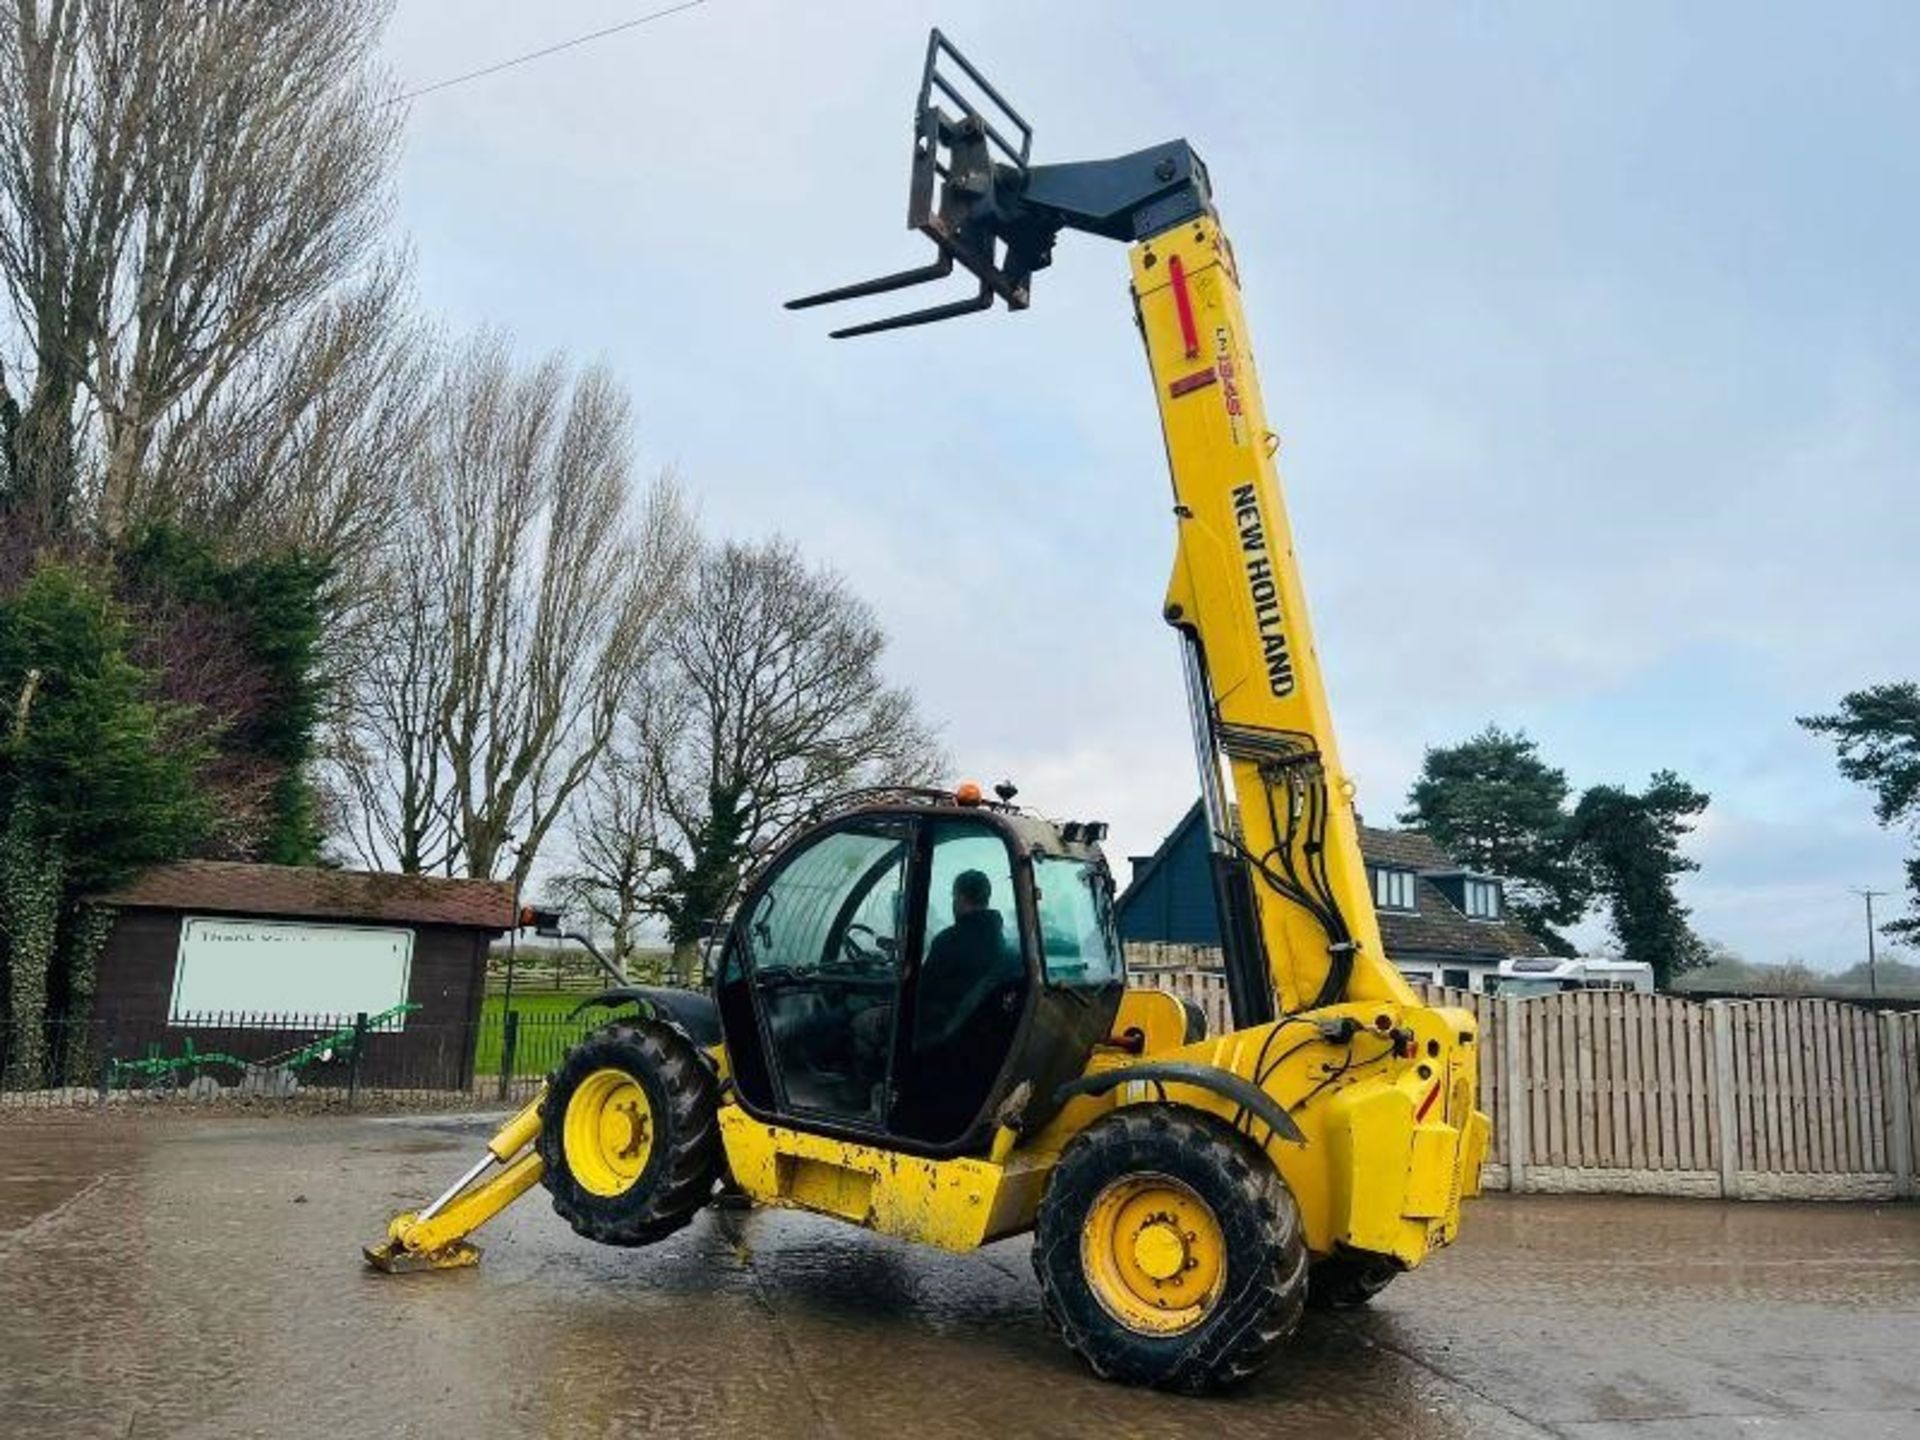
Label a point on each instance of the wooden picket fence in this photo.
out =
(1613, 1091)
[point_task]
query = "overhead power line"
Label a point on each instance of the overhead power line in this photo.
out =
(540, 54)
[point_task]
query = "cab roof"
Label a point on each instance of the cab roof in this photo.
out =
(1078, 839)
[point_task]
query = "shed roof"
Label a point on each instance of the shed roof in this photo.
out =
(295, 890)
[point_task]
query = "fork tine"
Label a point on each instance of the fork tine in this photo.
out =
(982, 301)
(899, 280)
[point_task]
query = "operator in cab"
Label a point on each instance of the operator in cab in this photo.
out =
(971, 989)
(974, 946)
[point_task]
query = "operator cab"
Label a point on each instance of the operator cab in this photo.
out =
(908, 964)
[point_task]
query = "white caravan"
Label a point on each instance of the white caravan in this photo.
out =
(1531, 975)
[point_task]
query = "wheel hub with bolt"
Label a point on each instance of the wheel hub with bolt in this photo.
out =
(608, 1132)
(1154, 1254)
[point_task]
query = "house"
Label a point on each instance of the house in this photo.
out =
(1440, 921)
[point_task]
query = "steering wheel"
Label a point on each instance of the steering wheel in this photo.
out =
(856, 954)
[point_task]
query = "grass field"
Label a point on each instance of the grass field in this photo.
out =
(545, 1030)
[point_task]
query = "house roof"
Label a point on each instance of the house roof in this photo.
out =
(1436, 927)
(1414, 849)
(1143, 868)
(306, 891)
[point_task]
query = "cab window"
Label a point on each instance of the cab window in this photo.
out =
(1078, 940)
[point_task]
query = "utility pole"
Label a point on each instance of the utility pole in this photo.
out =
(1873, 979)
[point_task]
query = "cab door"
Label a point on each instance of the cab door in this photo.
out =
(817, 955)
(968, 984)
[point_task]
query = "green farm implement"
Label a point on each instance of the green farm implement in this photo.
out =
(277, 1074)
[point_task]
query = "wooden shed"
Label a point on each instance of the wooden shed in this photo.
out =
(256, 959)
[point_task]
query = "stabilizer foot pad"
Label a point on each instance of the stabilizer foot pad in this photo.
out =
(390, 1258)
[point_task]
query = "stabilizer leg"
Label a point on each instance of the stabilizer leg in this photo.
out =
(436, 1238)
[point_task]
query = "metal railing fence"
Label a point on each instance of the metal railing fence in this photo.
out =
(350, 1060)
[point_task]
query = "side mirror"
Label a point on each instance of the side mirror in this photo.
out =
(544, 923)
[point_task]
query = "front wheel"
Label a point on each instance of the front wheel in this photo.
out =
(1169, 1250)
(629, 1133)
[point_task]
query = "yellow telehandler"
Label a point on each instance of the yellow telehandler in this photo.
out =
(919, 1020)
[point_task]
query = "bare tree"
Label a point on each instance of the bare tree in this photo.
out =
(526, 589)
(392, 803)
(766, 698)
(614, 826)
(183, 183)
(302, 448)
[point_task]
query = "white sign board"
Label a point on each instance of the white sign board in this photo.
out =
(256, 968)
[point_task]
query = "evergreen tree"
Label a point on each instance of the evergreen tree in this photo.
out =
(84, 745)
(1630, 845)
(272, 609)
(693, 892)
(1877, 734)
(95, 782)
(1494, 805)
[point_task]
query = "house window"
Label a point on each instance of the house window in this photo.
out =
(1483, 899)
(1392, 889)
(1456, 979)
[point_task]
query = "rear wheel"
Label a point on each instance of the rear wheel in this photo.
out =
(1169, 1251)
(629, 1133)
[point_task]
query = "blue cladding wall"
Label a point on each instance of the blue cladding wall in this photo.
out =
(1172, 899)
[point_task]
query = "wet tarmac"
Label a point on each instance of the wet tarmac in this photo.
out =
(201, 1277)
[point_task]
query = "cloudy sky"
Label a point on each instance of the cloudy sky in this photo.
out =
(1591, 331)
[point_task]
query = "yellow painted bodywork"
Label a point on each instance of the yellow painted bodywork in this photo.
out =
(1374, 1174)
(1158, 1017)
(1233, 536)
(1385, 1165)
(1394, 1139)
(955, 1204)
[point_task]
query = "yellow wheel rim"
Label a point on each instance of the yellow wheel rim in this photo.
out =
(1154, 1254)
(607, 1132)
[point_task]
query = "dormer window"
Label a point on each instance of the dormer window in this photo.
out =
(1392, 889)
(1483, 900)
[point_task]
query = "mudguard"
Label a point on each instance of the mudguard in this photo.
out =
(692, 1010)
(1203, 1077)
